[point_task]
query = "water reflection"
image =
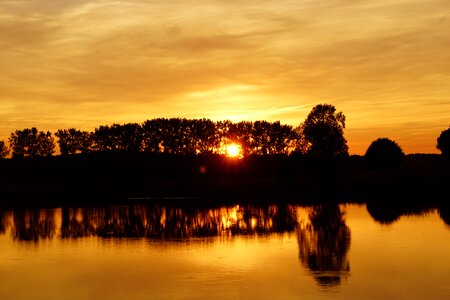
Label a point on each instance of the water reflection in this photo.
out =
(388, 213)
(310, 259)
(323, 237)
(322, 234)
(155, 222)
(444, 213)
(2, 223)
(324, 242)
(32, 225)
(325, 222)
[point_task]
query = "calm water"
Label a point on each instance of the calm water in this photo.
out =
(232, 252)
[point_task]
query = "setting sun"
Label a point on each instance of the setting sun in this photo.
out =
(233, 150)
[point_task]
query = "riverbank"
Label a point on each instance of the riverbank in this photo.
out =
(118, 178)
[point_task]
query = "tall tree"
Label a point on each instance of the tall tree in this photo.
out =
(205, 136)
(173, 135)
(72, 141)
(128, 137)
(323, 131)
(103, 139)
(260, 139)
(282, 138)
(31, 143)
(151, 136)
(241, 133)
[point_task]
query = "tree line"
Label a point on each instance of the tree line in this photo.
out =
(190, 137)
(321, 134)
(169, 136)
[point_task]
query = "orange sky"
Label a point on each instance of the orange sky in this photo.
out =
(83, 63)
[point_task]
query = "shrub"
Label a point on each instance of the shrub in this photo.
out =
(443, 142)
(384, 153)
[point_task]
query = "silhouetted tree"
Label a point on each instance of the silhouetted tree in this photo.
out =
(300, 145)
(170, 136)
(31, 143)
(443, 142)
(384, 153)
(260, 137)
(189, 140)
(240, 133)
(151, 136)
(223, 132)
(72, 141)
(103, 139)
(180, 136)
(323, 132)
(282, 138)
(4, 150)
(175, 136)
(127, 137)
(205, 136)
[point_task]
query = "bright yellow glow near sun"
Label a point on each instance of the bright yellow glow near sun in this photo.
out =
(234, 150)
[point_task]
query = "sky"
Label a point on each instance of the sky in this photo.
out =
(84, 63)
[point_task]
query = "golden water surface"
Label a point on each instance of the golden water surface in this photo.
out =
(232, 252)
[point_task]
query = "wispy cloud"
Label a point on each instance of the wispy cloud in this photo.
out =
(82, 63)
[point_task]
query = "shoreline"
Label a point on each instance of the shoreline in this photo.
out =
(123, 179)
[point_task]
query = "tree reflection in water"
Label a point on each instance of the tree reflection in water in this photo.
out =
(153, 222)
(324, 242)
(444, 213)
(388, 213)
(323, 239)
(2, 222)
(33, 225)
(176, 223)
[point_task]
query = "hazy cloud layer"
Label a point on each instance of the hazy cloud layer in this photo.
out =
(84, 63)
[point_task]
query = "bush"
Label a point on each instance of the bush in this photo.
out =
(384, 153)
(443, 142)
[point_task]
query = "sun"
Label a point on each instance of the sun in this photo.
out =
(233, 150)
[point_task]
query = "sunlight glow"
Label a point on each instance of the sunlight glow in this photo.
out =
(233, 150)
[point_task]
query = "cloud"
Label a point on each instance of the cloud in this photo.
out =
(82, 63)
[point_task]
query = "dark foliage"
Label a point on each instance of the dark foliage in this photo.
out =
(181, 137)
(31, 143)
(73, 141)
(4, 150)
(443, 142)
(323, 132)
(321, 135)
(126, 137)
(383, 153)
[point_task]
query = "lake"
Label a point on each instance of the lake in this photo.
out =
(245, 251)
